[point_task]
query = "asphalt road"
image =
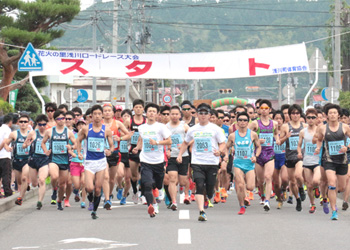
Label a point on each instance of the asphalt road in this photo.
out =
(129, 226)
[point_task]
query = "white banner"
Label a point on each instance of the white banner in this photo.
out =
(211, 65)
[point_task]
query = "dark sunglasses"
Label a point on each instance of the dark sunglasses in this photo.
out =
(186, 109)
(242, 120)
(311, 117)
(193, 113)
(233, 117)
(69, 119)
(226, 120)
(77, 114)
(50, 110)
(41, 124)
(23, 121)
(222, 117)
(202, 113)
(60, 119)
(166, 114)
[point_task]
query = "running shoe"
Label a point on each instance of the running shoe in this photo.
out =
(267, 206)
(193, 197)
(167, 201)
(187, 200)
(206, 204)
(53, 202)
(77, 198)
(120, 194)
(19, 201)
(241, 211)
(334, 215)
(54, 196)
(280, 205)
(325, 207)
(284, 195)
(123, 201)
(298, 207)
(39, 205)
(169, 206)
(151, 211)
(345, 206)
(161, 195)
(251, 195)
(59, 206)
(93, 215)
(155, 192)
(302, 194)
(66, 203)
(135, 198)
(143, 200)
(232, 186)
(202, 216)
(210, 204)
(223, 199)
(290, 200)
(108, 205)
(217, 198)
(181, 189)
(156, 208)
(317, 192)
(224, 193)
(91, 206)
(174, 206)
(312, 209)
(272, 195)
(246, 202)
(82, 205)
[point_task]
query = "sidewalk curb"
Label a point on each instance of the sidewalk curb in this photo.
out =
(9, 202)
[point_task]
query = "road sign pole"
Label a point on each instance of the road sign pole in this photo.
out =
(71, 98)
(288, 95)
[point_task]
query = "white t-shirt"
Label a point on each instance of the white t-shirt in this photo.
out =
(153, 154)
(5, 132)
(206, 139)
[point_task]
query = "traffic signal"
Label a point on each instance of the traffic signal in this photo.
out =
(225, 91)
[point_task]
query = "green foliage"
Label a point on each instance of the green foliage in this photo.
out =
(5, 107)
(344, 99)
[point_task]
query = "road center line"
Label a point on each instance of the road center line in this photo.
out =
(184, 214)
(184, 236)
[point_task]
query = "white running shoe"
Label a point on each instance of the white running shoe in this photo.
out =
(143, 200)
(156, 208)
(135, 198)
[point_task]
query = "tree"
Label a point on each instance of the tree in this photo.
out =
(24, 22)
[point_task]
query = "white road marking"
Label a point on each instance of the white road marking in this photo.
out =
(184, 214)
(35, 247)
(184, 236)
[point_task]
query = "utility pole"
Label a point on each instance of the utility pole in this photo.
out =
(94, 24)
(172, 90)
(114, 85)
(128, 50)
(336, 58)
(143, 47)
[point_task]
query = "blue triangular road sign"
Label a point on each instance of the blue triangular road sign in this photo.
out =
(30, 61)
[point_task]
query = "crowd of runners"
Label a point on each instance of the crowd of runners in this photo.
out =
(284, 154)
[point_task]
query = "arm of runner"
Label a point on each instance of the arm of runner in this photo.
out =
(138, 146)
(257, 146)
(47, 135)
(7, 141)
(319, 134)
(183, 147)
(80, 138)
(285, 133)
(275, 133)
(300, 142)
(229, 144)
(29, 140)
(109, 137)
(253, 126)
(72, 139)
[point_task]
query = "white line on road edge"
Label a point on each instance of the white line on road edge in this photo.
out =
(184, 214)
(184, 236)
(36, 247)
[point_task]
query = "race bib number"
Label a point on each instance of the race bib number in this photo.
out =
(22, 151)
(203, 145)
(176, 141)
(310, 148)
(334, 147)
(123, 147)
(147, 147)
(242, 153)
(279, 149)
(135, 138)
(96, 144)
(59, 147)
(293, 142)
(347, 141)
(39, 150)
(268, 139)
